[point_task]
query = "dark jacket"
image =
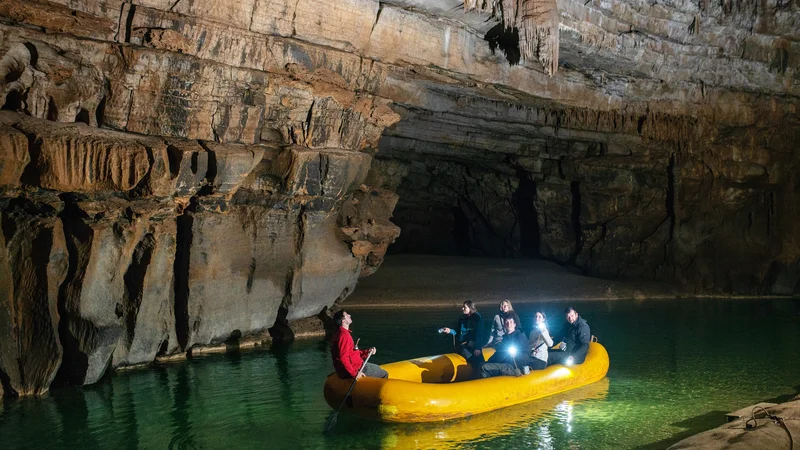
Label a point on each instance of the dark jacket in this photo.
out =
(469, 330)
(516, 339)
(577, 339)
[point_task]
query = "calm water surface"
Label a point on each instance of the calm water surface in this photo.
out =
(676, 367)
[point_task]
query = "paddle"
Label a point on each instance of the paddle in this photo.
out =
(331, 421)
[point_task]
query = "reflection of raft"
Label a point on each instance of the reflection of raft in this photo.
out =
(495, 424)
(442, 387)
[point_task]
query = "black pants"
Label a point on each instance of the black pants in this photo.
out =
(498, 369)
(375, 371)
(469, 354)
(537, 364)
(558, 357)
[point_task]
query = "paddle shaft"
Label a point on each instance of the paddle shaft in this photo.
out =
(354, 384)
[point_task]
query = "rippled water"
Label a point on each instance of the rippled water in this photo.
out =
(676, 367)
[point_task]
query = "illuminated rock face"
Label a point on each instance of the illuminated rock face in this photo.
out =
(178, 174)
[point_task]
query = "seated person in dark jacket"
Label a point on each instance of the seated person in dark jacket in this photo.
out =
(468, 334)
(576, 341)
(512, 353)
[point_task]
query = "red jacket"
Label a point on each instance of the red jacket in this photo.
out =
(346, 359)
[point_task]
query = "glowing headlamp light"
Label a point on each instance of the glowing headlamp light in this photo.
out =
(512, 351)
(570, 361)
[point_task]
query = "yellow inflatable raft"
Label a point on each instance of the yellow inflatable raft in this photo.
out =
(443, 387)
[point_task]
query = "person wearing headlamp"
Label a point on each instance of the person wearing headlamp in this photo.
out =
(511, 354)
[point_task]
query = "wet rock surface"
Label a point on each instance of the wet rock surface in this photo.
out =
(179, 175)
(773, 427)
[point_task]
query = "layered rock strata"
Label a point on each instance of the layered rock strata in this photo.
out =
(206, 206)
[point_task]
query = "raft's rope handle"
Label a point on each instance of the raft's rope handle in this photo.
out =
(594, 338)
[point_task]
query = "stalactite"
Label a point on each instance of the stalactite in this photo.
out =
(538, 25)
(537, 22)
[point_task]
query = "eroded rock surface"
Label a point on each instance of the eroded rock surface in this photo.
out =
(158, 243)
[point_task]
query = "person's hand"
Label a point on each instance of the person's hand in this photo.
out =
(446, 330)
(373, 350)
(478, 353)
(360, 375)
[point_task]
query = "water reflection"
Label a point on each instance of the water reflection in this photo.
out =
(182, 433)
(494, 424)
(671, 363)
(73, 413)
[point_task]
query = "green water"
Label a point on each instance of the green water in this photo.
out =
(676, 367)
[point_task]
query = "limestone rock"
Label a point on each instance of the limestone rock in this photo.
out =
(327, 271)
(48, 83)
(147, 307)
(93, 19)
(764, 434)
(364, 218)
(72, 161)
(34, 263)
(102, 295)
(15, 156)
(245, 258)
(328, 172)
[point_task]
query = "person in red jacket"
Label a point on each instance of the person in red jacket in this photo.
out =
(346, 358)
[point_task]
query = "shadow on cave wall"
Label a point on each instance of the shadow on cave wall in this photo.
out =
(506, 40)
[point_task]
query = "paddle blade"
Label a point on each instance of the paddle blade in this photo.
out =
(330, 422)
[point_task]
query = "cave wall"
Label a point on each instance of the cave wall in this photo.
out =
(154, 201)
(714, 211)
(181, 173)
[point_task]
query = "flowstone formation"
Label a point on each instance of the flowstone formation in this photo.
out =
(177, 174)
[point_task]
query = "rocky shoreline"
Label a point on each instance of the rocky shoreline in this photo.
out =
(775, 426)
